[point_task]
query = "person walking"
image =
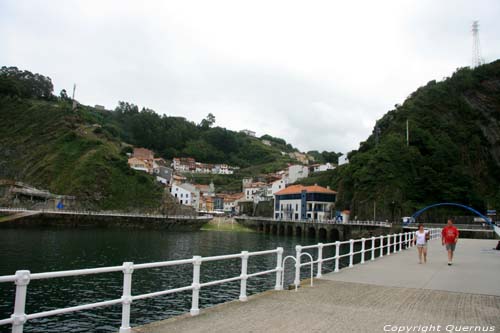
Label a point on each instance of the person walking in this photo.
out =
(449, 238)
(421, 238)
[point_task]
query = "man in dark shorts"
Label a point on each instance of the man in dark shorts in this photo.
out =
(449, 238)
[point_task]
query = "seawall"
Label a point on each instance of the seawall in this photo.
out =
(97, 221)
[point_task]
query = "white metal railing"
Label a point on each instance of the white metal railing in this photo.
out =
(22, 278)
(388, 243)
(101, 213)
(353, 222)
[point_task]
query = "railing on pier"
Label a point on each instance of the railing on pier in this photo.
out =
(330, 221)
(102, 213)
(22, 278)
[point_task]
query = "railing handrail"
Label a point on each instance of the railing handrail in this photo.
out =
(328, 221)
(22, 278)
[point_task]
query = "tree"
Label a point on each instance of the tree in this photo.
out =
(26, 83)
(64, 95)
(208, 121)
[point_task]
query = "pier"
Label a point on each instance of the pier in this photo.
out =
(377, 296)
(329, 230)
(375, 282)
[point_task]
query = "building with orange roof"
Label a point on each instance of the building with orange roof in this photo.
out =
(299, 202)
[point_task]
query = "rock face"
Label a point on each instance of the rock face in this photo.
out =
(453, 152)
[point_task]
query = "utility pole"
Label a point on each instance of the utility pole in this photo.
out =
(477, 59)
(74, 101)
(407, 133)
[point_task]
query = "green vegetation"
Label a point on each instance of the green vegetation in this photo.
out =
(225, 225)
(82, 152)
(47, 145)
(453, 153)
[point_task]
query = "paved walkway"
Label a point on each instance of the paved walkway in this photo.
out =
(393, 290)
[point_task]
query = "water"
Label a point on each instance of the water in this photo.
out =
(42, 250)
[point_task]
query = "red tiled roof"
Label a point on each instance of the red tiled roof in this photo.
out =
(295, 189)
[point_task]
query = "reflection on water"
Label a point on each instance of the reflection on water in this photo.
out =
(52, 249)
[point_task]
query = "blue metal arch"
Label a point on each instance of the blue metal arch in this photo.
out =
(419, 212)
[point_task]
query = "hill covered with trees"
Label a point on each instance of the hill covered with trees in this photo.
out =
(82, 152)
(453, 153)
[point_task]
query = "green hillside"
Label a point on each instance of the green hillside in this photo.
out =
(45, 143)
(453, 153)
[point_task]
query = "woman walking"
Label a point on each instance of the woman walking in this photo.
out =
(421, 238)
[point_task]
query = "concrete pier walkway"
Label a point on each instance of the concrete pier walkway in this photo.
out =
(394, 290)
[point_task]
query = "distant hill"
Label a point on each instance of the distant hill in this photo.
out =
(453, 153)
(45, 143)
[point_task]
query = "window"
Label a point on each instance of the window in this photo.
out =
(181, 202)
(297, 207)
(182, 195)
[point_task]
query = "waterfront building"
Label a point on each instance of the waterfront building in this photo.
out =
(298, 202)
(182, 194)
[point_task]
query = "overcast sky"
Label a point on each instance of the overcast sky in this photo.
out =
(317, 73)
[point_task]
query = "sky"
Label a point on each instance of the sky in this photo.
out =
(316, 73)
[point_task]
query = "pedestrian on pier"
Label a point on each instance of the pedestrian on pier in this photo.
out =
(421, 238)
(449, 238)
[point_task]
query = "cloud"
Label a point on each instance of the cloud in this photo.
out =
(318, 74)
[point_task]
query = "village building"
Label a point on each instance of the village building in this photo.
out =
(143, 154)
(298, 202)
(296, 172)
(138, 164)
(182, 194)
(321, 167)
(249, 133)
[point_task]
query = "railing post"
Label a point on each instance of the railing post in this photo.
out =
(196, 286)
(337, 254)
(395, 240)
(363, 250)
(381, 246)
(243, 276)
(388, 245)
(296, 282)
(320, 260)
(373, 248)
(279, 269)
(400, 241)
(128, 269)
(351, 252)
(19, 315)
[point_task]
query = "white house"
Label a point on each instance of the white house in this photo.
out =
(253, 189)
(276, 186)
(249, 133)
(343, 159)
(182, 194)
(322, 167)
(296, 172)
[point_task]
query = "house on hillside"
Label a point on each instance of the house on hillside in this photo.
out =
(321, 167)
(299, 202)
(249, 133)
(252, 189)
(184, 164)
(296, 172)
(182, 194)
(143, 154)
(138, 164)
(163, 174)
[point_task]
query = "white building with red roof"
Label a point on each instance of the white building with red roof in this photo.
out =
(299, 202)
